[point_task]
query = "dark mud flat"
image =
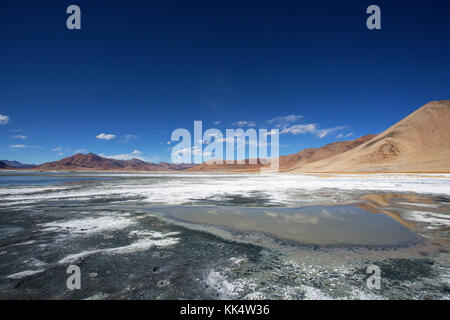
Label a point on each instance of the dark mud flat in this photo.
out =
(158, 272)
(226, 246)
(146, 258)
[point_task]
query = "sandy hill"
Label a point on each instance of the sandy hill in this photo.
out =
(297, 160)
(288, 162)
(418, 143)
(93, 162)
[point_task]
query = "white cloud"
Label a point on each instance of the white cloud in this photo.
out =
(341, 135)
(217, 122)
(57, 149)
(136, 154)
(244, 123)
(24, 146)
(271, 132)
(309, 128)
(300, 129)
(193, 150)
(280, 121)
(129, 137)
(324, 132)
(20, 136)
(80, 151)
(287, 124)
(4, 119)
(105, 136)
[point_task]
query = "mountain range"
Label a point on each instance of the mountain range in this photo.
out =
(4, 165)
(18, 165)
(93, 162)
(418, 143)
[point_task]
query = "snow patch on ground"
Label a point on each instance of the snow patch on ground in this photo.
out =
(312, 293)
(90, 225)
(24, 274)
(286, 189)
(428, 217)
(137, 246)
(425, 205)
(225, 288)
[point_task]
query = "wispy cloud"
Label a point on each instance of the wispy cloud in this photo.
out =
(244, 123)
(3, 119)
(105, 136)
(24, 146)
(193, 150)
(129, 137)
(283, 120)
(57, 149)
(341, 135)
(309, 128)
(217, 122)
(80, 151)
(20, 136)
(289, 125)
(324, 132)
(300, 129)
(136, 154)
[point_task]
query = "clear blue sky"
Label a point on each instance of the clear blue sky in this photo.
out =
(140, 69)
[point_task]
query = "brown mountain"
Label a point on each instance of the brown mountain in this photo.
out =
(93, 162)
(418, 143)
(289, 162)
(296, 160)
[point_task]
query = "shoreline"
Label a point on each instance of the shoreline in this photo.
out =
(234, 171)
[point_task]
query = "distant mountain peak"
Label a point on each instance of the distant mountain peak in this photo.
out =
(18, 165)
(3, 165)
(94, 162)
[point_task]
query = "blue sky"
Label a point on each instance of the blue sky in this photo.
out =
(137, 70)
